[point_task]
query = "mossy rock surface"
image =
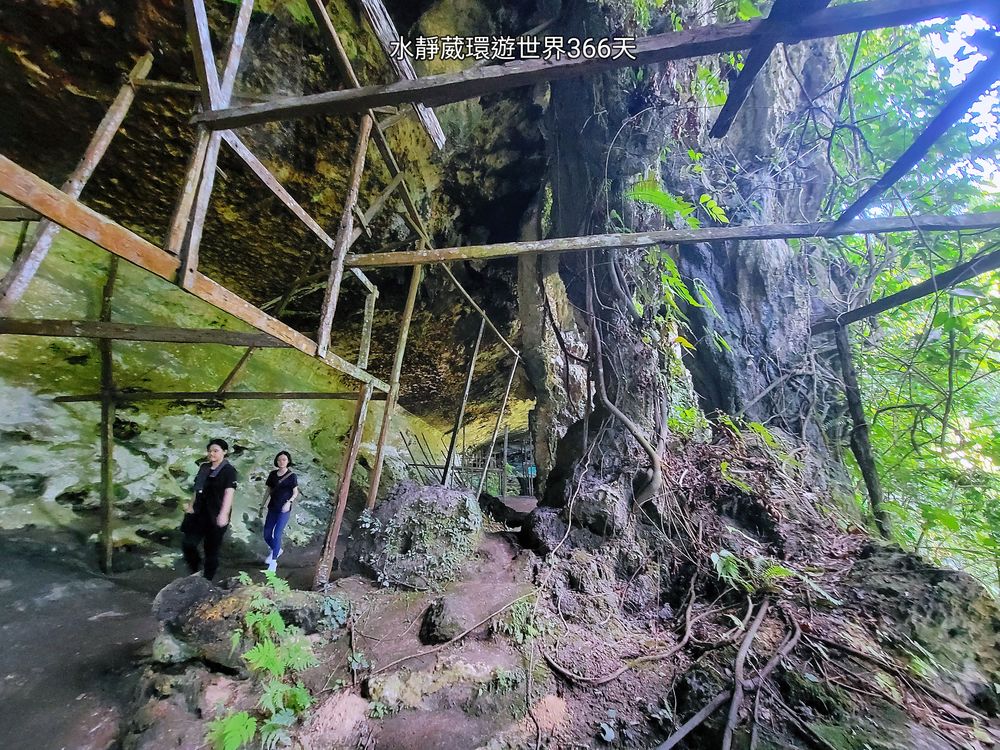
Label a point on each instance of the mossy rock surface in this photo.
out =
(418, 537)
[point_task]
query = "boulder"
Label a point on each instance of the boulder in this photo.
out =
(443, 621)
(543, 530)
(418, 537)
(176, 599)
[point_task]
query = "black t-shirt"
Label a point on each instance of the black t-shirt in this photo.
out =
(281, 489)
(209, 501)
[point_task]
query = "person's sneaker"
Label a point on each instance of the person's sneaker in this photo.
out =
(280, 553)
(272, 566)
(270, 558)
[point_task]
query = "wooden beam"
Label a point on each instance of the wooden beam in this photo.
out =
(343, 241)
(381, 23)
(364, 348)
(938, 283)
(28, 189)
(107, 426)
(17, 213)
(92, 329)
(329, 553)
(376, 207)
(782, 13)
(460, 416)
(25, 266)
(390, 404)
(130, 397)
(930, 223)
(978, 83)
(658, 48)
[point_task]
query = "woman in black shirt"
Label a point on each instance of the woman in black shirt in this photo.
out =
(207, 515)
(281, 489)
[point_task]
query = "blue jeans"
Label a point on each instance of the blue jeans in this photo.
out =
(274, 527)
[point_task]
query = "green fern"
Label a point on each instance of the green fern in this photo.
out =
(275, 732)
(232, 732)
(674, 208)
(298, 698)
(265, 657)
(296, 651)
(279, 585)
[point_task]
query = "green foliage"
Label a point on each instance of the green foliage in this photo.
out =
(334, 613)
(274, 733)
(928, 369)
(732, 570)
(522, 624)
(644, 9)
(677, 210)
(232, 732)
(278, 649)
(502, 681)
(358, 661)
(378, 710)
(707, 88)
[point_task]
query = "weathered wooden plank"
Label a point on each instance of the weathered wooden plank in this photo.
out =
(381, 23)
(938, 283)
(93, 329)
(17, 213)
(329, 553)
(977, 84)
(364, 349)
(127, 397)
(929, 223)
(25, 266)
(204, 60)
(707, 40)
(390, 404)
(343, 240)
(376, 207)
(107, 426)
(28, 189)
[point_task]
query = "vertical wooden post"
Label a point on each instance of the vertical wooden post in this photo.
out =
(366, 330)
(329, 553)
(503, 463)
(391, 398)
(342, 242)
(25, 265)
(860, 439)
(107, 426)
(460, 417)
(496, 427)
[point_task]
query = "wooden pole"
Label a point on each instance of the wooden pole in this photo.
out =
(364, 348)
(933, 223)
(938, 283)
(342, 241)
(860, 437)
(390, 402)
(216, 396)
(496, 427)
(978, 83)
(17, 213)
(91, 329)
(460, 417)
(481, 311)
(25, 266)
(657, 48)
(503, 465)
(107, 426)
(416, 464)
(329, 553)
(22, 186)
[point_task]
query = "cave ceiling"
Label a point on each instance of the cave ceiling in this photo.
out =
(62, 62)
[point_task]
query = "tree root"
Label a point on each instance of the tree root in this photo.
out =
(743, 685)
(741, 657)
